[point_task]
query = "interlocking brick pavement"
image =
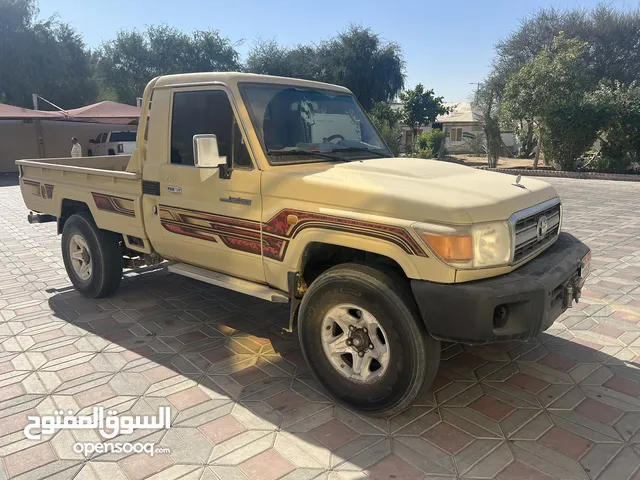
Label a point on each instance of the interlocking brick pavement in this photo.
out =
(564, 405)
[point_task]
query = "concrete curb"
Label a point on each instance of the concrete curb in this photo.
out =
(554, 173)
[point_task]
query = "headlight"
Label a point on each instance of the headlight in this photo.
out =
(473, 246)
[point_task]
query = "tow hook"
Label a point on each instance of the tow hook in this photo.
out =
(572, 291)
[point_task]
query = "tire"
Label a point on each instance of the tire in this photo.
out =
(104, 257)
(90, 153)
(112, 151)
(413, 355)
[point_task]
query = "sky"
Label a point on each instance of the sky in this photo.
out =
(448, 46)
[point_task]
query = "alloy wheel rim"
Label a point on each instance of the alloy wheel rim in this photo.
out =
(80, 257)
(355, 343)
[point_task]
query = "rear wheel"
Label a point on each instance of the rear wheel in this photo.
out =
(363, 339)
(92, 257)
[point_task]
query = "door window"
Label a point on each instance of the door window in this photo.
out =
(205, 112)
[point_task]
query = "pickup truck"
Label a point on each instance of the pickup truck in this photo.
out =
(112, 143)
(282, 189)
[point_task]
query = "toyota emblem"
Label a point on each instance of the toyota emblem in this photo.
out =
(541, 230)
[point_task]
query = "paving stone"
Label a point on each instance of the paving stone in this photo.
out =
(393, 466)
(268, 465)
(521, 471)
(333, 434)
(142, 465)
(569, 444)
(244, 405)
(29, 459)
(222, 429)
(491, 407)
(448, 438)
(599, 411)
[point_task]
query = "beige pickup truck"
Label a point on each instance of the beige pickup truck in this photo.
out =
(282, 189)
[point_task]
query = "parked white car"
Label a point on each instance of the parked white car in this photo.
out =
(112, 143)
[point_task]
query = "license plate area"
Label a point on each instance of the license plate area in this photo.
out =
(585, 267)
(572, 289)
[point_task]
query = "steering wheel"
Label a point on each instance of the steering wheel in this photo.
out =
(334, 136)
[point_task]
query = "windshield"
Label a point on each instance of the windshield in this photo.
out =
(123, 137)
(309, 125)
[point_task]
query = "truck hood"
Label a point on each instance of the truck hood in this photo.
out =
(408, 188)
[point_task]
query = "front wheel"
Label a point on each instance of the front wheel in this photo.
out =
(363, 339)
(91, 256)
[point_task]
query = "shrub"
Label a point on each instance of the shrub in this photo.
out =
(619, 106)
(570, 130)
(392, 135)
(476, 143)
(429, 144)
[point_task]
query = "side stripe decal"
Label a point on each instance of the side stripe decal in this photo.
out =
(244, 235)
(109, 203)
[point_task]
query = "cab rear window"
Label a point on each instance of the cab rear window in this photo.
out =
(123, 137)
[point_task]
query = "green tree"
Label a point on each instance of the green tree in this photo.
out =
(387, 121)
(487, 101)
(126, 64)
(46, 57)
(270, 58)
(357, 59)
(420, 107)
(613, 37)
(620, 138)
(384, 112)
(552, 89)
(525, 133)
(361, 61)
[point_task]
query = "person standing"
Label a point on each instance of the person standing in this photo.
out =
(76, 149)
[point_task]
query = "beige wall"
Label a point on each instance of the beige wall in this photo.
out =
(18, 140)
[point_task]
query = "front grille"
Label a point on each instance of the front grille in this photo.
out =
(527, 238)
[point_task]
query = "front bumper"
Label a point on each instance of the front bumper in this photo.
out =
(517, 305)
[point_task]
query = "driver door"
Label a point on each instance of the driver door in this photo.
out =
(207, 219)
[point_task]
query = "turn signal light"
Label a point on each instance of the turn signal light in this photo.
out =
(454, 248)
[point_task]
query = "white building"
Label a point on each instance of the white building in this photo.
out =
(460, 125)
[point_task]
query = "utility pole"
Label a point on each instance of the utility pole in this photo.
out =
(477, 84)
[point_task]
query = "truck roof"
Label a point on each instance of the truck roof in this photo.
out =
(238, 77)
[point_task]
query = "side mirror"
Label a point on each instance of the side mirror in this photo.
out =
(205, 151)
(92, 141)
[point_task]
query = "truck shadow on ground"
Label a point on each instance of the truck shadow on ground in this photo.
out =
(214, 357)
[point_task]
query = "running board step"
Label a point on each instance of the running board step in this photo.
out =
(231, 283)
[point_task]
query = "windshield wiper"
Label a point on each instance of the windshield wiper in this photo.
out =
(360, 149)
(306, 153)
